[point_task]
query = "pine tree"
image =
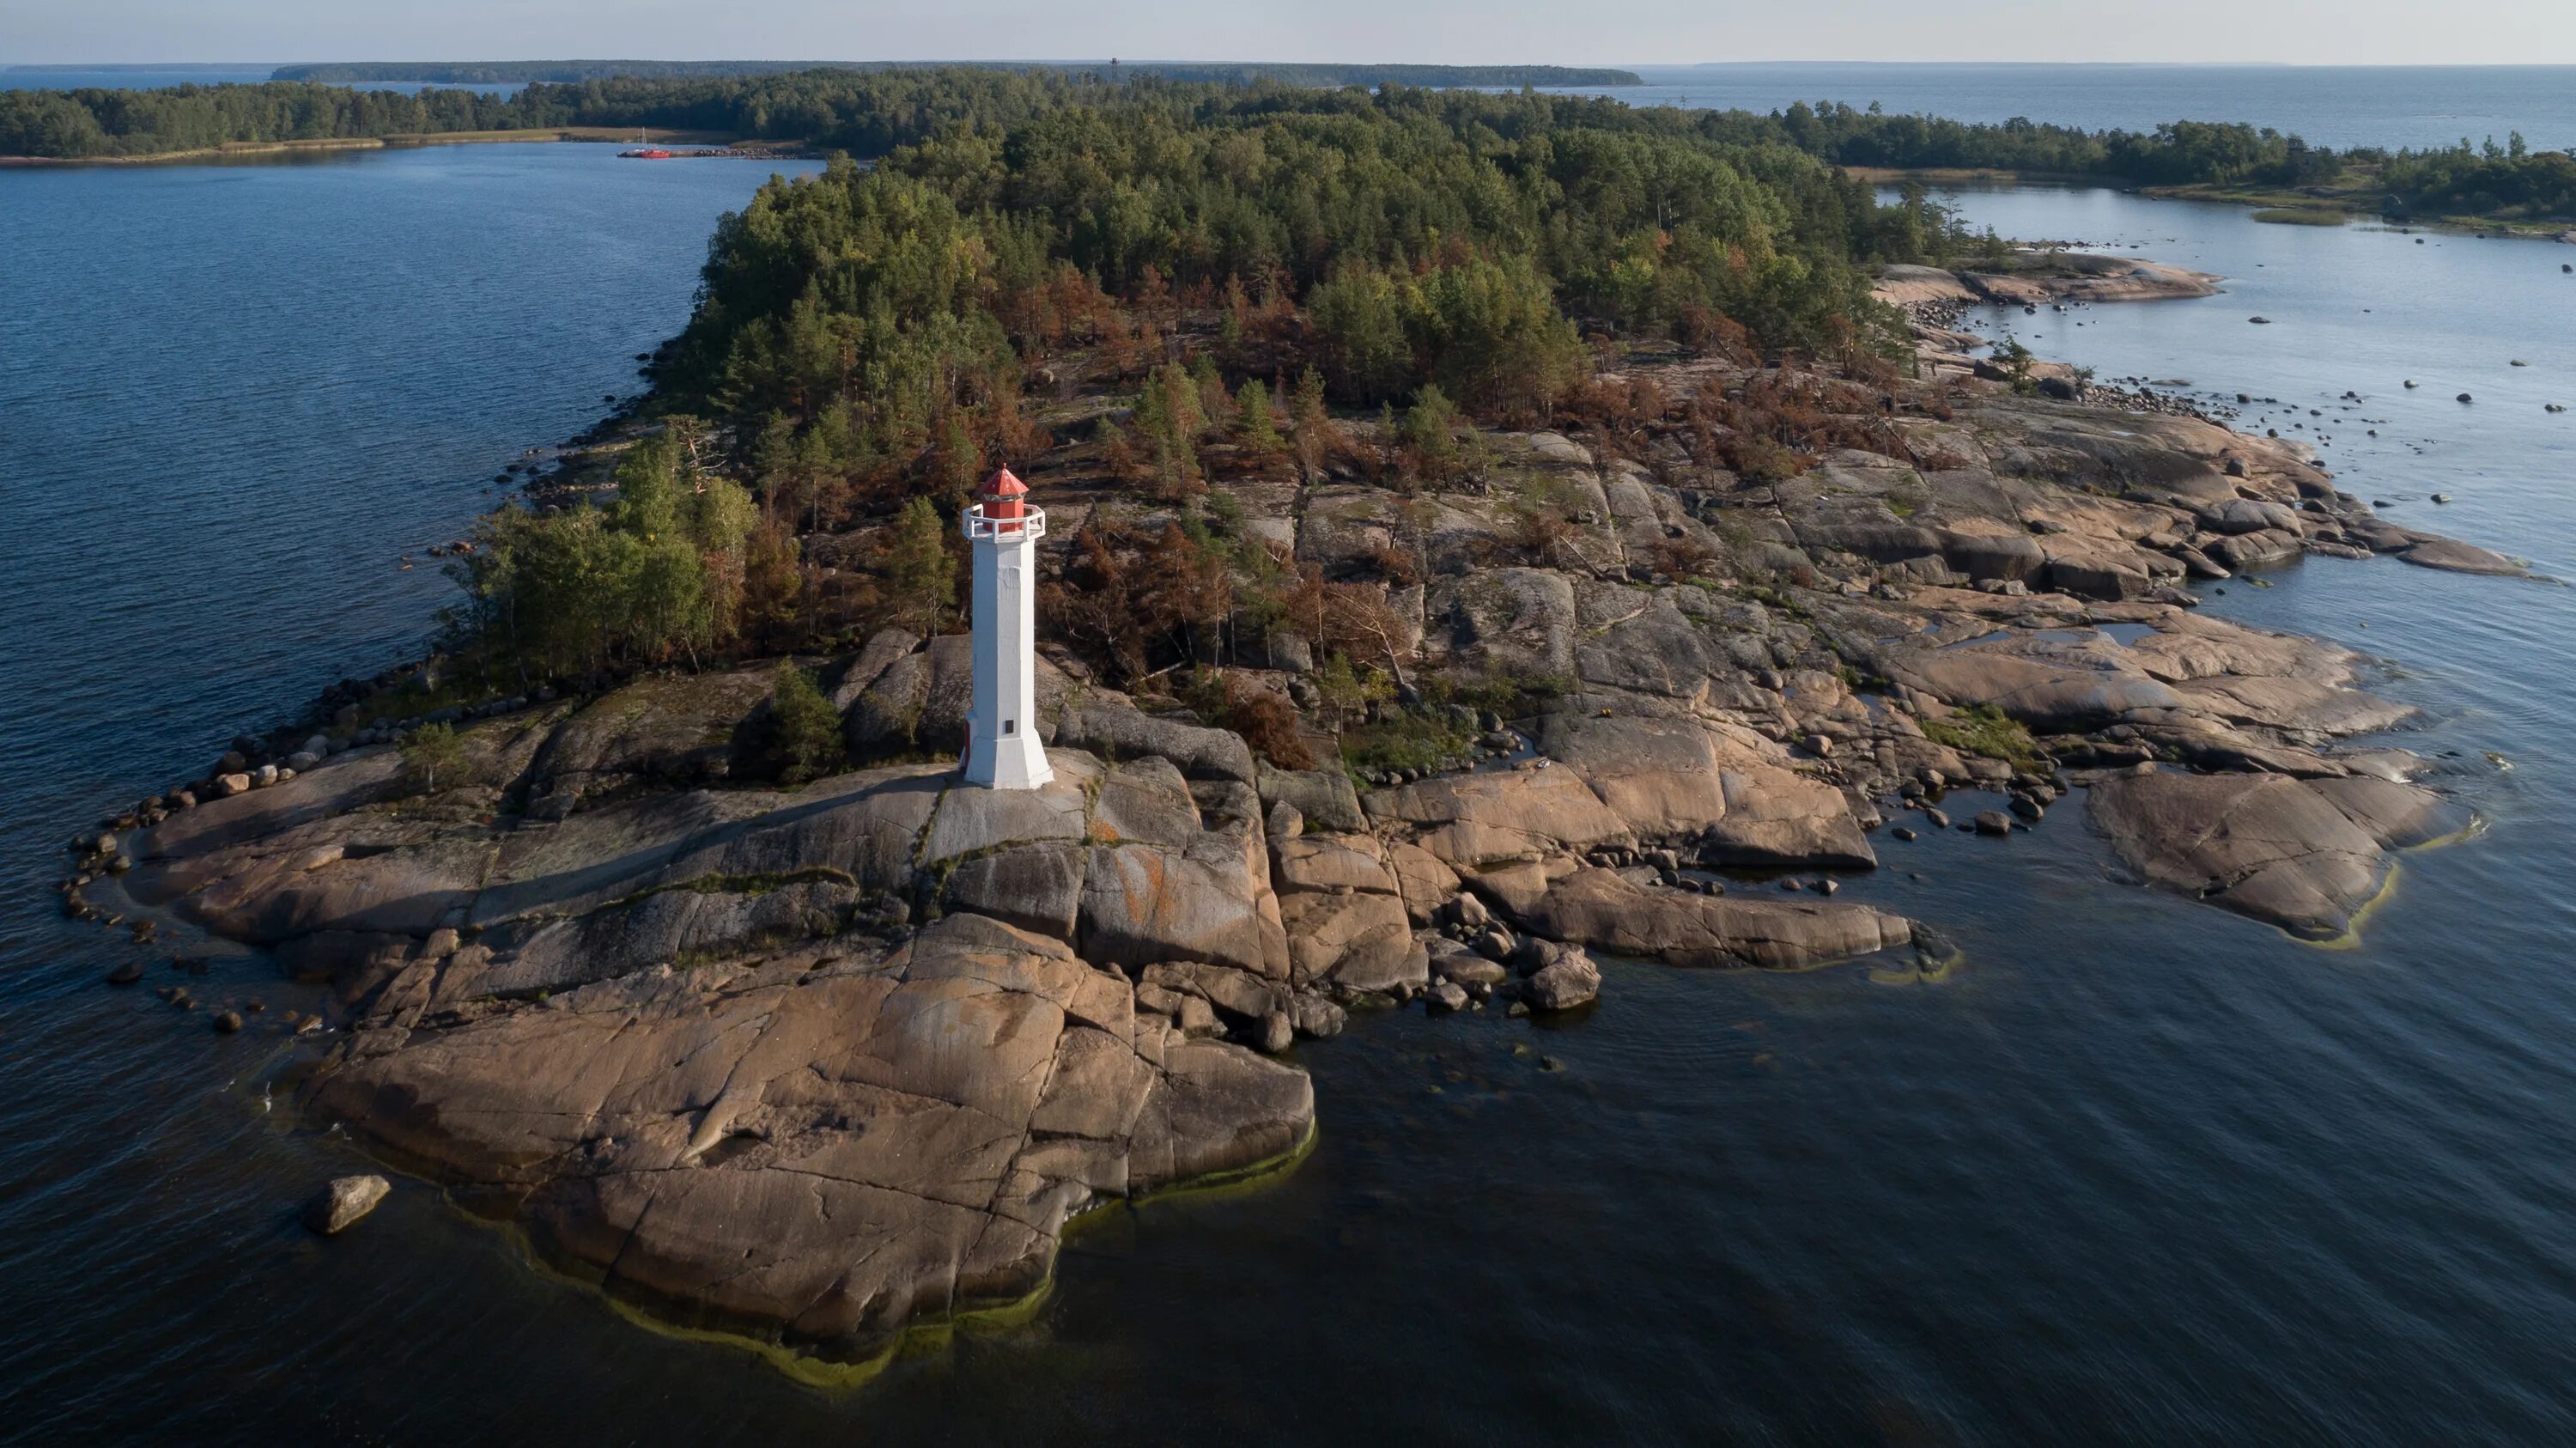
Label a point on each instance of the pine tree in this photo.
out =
(1252, 403)
(1216, 405)
(1314, 425)
(921, 577)
(1429, 432)
(804, 728)
(1117, 454)
(1169, 414)
(961, 459)
(718, 519)
(430, 749)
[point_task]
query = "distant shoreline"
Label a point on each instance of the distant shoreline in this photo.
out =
(534, 135)
(2360, 201)
(1363, 73)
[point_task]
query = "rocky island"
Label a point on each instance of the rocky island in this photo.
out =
(670, 934)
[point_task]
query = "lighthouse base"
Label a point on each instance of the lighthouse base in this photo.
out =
(1014, 762)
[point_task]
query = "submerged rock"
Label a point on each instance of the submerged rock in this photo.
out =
(2456, 557)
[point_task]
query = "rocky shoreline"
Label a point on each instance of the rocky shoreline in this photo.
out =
(820, 1063)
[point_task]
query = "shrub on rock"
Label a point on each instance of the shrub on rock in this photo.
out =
(804, 729)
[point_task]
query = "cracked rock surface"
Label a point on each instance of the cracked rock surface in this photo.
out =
(688, 1038)
(831, 1144)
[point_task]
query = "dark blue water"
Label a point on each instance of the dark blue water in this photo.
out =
(2140, 1172)
(2330, 105)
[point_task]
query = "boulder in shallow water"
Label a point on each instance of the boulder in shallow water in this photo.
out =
(1597, 908)
(344, 1203)
(2302, 854)
(1568, 980)
(2453, 556)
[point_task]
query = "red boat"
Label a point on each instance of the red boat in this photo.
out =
(645, 150)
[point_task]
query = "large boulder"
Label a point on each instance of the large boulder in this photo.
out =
(1036, 887)
(2248, 515)
(1323, 798)
(676, 730)
(2050, 693)
(1146, 903)
(1564, 978)
(1600, 909)
(345, 1203)
(1425, 882)
(970, 822)
(2305, 855)
(917, 702)
(1344, 913)
(2426, 550)
(1639, 642)
(1731, 788)
(1477, 819)
(1511, 622)
(1121, 731)
(852, 677)
(1984, 552)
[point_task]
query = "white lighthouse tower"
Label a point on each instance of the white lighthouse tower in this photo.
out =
(1002, 748)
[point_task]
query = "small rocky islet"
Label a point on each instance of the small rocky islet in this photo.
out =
(821, 1062)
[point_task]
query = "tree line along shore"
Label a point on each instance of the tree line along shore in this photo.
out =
(867, 111)
(1484, 529)
(521, 72)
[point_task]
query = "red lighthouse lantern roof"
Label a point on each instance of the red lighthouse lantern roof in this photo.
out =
(1002, 495)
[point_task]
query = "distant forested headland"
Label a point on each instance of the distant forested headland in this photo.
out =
(524, 72)
(2496, 180)
(869, 111)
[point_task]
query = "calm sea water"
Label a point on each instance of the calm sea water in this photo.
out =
(2140, 1172)
(2331, 105)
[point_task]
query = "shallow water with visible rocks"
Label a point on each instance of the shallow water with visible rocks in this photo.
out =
(2136, 1171)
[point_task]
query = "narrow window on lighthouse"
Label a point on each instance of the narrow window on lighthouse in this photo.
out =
(1010, 726)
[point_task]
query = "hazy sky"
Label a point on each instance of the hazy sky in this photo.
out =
(1606, 32)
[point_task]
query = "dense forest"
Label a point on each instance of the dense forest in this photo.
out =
(75, 124)
(1182, 286)
(870, 111)
(2508, 181)
(519, 72)
(2175, 154)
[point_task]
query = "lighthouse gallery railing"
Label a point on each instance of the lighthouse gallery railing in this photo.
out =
(1030, 524)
